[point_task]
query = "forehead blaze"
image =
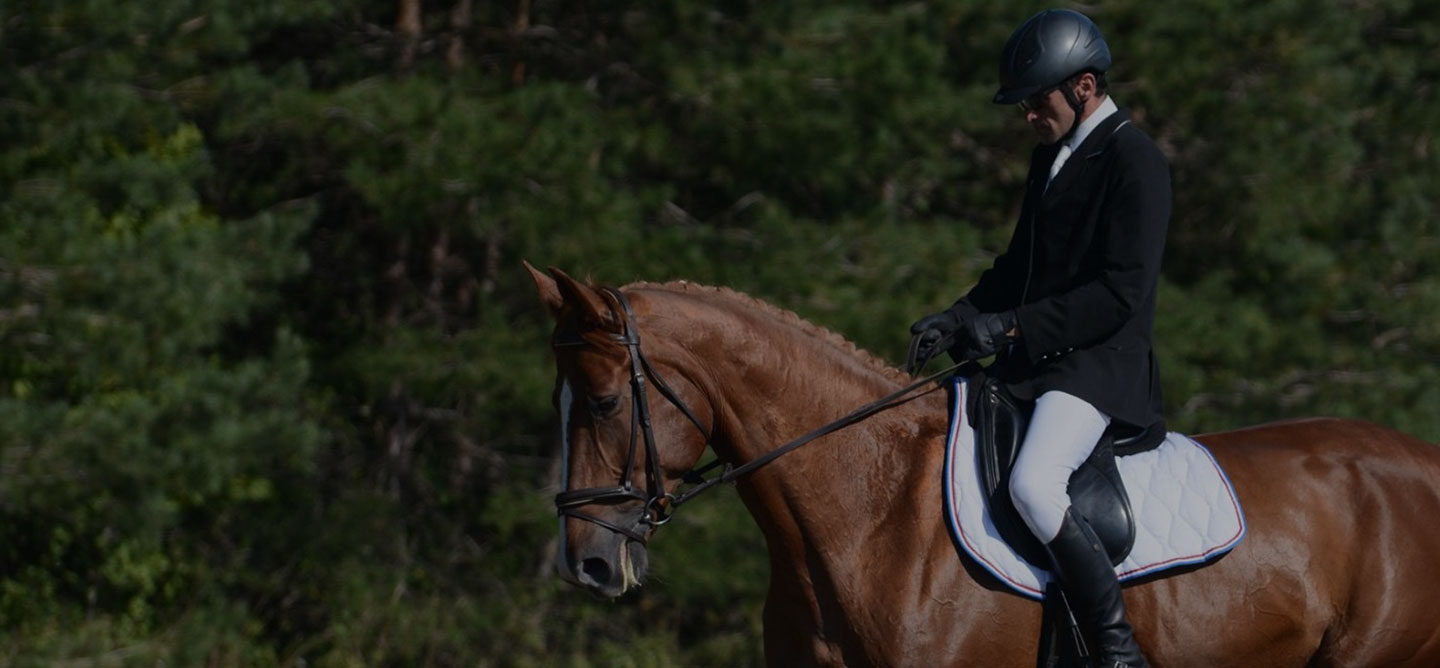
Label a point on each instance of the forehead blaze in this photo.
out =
(592, 371)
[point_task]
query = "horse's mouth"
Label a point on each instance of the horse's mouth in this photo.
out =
(614, 576)
(634, 561)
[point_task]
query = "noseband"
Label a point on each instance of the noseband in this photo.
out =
(659, 504)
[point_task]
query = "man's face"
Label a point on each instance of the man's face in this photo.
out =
(1048, 115)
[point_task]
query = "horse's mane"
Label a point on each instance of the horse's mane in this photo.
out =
(785, 316)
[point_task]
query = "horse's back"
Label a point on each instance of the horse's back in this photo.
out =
(1344, 437)
(1340, 516)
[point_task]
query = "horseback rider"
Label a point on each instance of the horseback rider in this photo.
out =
(1070, 305)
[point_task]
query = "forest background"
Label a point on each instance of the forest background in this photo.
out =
(275, 389)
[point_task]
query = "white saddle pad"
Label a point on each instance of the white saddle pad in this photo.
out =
(1185, 508)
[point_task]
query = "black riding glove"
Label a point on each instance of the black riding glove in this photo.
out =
(937, 328)
(987, 333)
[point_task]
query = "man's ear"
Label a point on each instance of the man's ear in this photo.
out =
(1089, 85)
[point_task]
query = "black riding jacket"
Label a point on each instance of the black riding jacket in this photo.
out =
(1082, 271)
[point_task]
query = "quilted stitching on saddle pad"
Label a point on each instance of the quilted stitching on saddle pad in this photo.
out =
(1185, 508)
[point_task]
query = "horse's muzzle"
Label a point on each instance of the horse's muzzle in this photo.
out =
(608, 566)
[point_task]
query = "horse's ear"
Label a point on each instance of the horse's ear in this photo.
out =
(549, 291)
(592, 307)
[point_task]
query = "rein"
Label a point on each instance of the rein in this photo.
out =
(660, 505)
(731, 472)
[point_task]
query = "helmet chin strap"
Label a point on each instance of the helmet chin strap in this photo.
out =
(1075, 105)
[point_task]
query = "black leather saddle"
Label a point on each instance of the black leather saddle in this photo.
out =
(1096, 490)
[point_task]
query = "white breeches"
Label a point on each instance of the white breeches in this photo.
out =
(1063, 432)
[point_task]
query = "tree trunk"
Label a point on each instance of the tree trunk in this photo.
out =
(407, 25)
(460, 18)
(517, 41)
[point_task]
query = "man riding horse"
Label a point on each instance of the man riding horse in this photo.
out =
(1069, 307)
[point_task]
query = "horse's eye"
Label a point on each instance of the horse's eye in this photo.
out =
(604, 406)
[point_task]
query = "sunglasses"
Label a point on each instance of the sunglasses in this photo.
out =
(1037, 100)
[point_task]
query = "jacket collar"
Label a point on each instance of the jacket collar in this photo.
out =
(1093, 145)
(1102, 113)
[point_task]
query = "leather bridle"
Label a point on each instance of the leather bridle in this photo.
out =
(659, 505)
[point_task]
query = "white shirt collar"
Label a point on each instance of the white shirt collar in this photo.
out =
(1102, 112)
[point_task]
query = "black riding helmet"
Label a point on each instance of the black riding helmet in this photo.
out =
(1047, 49)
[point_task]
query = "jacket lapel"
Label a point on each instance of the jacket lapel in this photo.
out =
(1040, 161)
(1083, 157)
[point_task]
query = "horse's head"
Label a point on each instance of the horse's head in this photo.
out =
(632, 424)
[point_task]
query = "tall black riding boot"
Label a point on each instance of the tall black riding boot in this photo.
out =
(1090, 584)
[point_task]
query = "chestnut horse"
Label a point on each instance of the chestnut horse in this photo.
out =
(1338, 567)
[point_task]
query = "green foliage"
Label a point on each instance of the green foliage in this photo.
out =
(274, 387)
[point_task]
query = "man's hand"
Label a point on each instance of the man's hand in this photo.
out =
(938, 331)
(987, 333)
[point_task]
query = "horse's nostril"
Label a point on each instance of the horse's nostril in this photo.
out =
(596, 570)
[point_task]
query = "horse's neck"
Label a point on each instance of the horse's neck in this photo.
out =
(821, 504)
(780, 384)
(836, 511)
